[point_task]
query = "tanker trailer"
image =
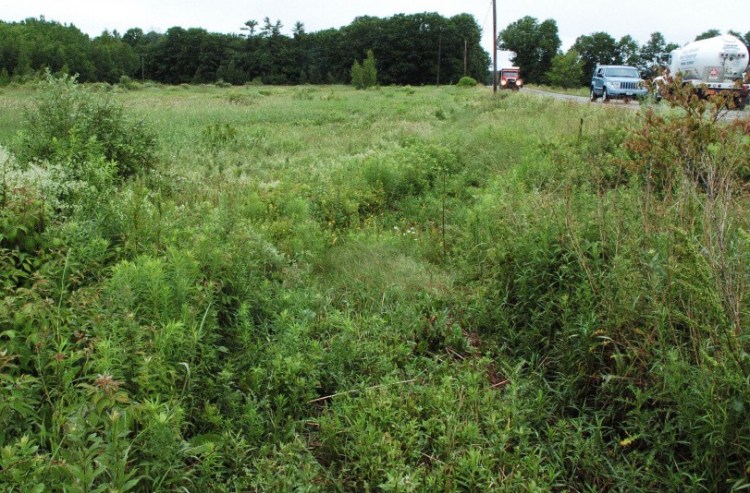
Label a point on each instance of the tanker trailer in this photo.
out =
(712, 66)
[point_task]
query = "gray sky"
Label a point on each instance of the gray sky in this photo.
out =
(678, 22)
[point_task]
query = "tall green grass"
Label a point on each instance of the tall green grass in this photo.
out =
(399, 289)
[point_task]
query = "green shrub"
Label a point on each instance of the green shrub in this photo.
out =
(129, 84)
(467, 81)
(70, 125)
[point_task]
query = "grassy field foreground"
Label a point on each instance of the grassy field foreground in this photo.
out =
(401, 289)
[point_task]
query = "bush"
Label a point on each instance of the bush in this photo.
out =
(70, 125)
(129, 84)
(467, 82)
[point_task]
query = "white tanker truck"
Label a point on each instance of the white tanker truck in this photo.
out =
(712, 66)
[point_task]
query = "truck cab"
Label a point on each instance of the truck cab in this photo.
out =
(616, 82)
(510, 78)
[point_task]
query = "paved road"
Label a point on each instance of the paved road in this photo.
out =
(554, 95)
(731, 115)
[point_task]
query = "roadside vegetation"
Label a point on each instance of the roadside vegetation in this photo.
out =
(396, 289)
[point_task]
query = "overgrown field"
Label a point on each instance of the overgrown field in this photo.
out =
(400, 289)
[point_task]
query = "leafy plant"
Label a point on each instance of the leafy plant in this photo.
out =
(466, 81)
(71, 125)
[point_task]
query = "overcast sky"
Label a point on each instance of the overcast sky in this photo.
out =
(679, 22)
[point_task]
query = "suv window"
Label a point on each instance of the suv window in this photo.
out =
(623, 72)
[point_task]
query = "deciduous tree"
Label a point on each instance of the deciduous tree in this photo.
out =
(566, 70)
(654, 54)
(534, 45)
(596, 49)
(627, 50)
(711, 33)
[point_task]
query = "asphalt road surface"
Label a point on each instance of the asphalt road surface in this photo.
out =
(730, 115)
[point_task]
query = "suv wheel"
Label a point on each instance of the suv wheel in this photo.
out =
(592, 95)
(605, 96)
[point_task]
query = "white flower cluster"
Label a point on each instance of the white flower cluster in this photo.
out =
(56, 185)
(407, 232)
(5, 157)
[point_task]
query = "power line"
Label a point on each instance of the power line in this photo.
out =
(487, 15)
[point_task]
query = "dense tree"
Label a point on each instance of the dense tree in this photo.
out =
(60, 48)
(566, 70)
(415, 50)
(594, 49)
(13, 56)
(655, 54)
(324, 65)
(250, 27)
(534, 45)
(711, 33)
(412, 49)
(745, 39)
(112, 57)
(627, 50)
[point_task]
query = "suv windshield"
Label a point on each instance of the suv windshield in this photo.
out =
(622, 72)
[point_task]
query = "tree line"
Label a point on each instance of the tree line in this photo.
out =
(416, 49)
(410, 49)
(537, 51)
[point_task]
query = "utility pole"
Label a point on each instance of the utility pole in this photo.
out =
(494, 46)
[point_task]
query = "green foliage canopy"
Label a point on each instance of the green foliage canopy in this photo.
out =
(567, 70)
(409, 44)
(534, 44)
(711, 33)
(597, 48)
